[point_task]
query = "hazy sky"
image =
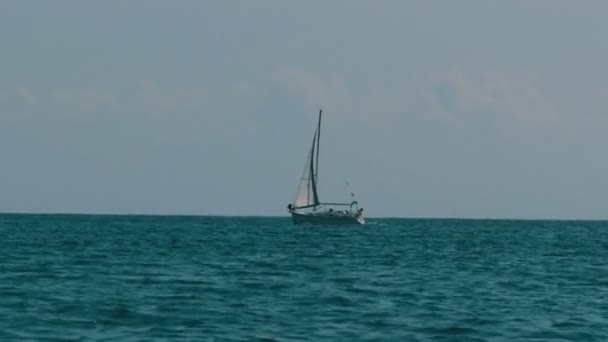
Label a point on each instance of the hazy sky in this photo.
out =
(432, 108)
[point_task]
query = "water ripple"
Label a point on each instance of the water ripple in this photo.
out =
(70, 277)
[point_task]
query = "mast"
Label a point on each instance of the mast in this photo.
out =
(314, 169)
(312, 176)
(318, 143)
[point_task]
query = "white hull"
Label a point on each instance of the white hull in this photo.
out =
(327, 218)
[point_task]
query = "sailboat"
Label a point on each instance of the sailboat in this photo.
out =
(307, 208)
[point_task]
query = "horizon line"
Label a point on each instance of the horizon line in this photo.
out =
(287, 216)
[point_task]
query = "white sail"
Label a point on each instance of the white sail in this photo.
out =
(307, 190)
(305, 195)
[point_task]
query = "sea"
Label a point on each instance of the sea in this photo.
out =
(198, 278)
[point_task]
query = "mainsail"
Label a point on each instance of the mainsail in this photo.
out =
(307, 196)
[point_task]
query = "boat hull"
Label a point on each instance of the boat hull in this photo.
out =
(302, 218)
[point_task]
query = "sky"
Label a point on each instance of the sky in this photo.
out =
(465, 109)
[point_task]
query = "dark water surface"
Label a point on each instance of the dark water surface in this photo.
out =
(138, 278)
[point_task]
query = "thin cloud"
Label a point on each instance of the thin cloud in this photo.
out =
(511, 96)
(316, 90)
(17, 101)
(85, 100)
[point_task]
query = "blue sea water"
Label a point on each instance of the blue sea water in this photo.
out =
(147, 278)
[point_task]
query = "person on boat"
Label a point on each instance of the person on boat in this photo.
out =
(290, 207)
(359, 212)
